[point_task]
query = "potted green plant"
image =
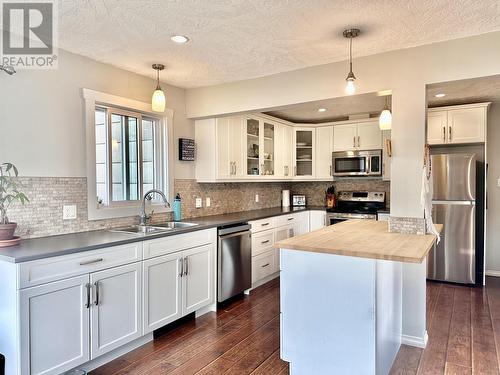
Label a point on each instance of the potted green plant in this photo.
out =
(9, 193)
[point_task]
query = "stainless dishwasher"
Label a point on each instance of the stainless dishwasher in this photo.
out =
(234, 261)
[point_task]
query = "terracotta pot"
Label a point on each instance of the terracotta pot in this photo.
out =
(7, 231)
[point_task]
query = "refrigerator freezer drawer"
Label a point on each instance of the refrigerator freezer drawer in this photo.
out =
(453, 259)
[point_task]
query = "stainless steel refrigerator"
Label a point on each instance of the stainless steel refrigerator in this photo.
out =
(458, 205)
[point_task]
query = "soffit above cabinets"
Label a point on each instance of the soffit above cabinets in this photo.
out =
(465, 91)
(241, 39)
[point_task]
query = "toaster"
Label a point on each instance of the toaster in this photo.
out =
(298, 200)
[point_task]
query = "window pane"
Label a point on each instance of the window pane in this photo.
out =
(148, 154)
(101, 147)
(125, 177)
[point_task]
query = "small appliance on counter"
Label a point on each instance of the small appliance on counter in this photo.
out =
(298, 200)
(330, 197)
(285, 198)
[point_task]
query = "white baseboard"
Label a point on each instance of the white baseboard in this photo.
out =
(118, 352)
(415, 341)
(492, 273)
(262, 281)
(205, 310)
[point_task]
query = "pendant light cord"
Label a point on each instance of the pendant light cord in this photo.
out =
(350, 54)
(158, 79)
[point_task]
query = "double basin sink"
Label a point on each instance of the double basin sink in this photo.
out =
(153, 229)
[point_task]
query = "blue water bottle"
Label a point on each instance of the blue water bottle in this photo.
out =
(177, 207)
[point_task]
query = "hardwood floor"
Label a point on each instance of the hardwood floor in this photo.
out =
(243, 338)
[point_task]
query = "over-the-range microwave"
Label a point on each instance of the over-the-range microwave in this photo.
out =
(357, 163)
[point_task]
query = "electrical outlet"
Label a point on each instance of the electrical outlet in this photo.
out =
(498, 182)
(198, 203)
(69, 212)
(207, 201)
(256, 198)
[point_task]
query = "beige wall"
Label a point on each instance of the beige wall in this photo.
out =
(41, 114)
(493, 191)
(405, 72)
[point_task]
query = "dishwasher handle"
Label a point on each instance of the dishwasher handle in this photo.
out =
(224, 231)
(236, 234)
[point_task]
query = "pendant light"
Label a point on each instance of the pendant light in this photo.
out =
(158, 99)
(385, 119)
(350, 88)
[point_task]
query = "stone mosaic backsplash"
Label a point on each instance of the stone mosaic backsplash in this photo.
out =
(42, 216)
(407, 225)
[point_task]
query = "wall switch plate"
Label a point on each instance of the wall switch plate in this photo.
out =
(69, 212)
(198, 203)
(498, 182)
(256, 198)
(207, 201)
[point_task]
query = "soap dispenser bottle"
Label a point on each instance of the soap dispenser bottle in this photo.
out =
(177, 207)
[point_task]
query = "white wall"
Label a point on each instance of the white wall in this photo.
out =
(493, 191)
(41, 114)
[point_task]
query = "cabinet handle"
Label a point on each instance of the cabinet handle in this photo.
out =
(263, 242)
(331, 170)
(264, 224)
(84, 263)
(181, 266)
(87, 303)
(444, 133)
(354, 142)
(265, 265)
(295, 171)
(449, 133)
(96, 300)
(187, 266)
(359, 142)
(290, 219)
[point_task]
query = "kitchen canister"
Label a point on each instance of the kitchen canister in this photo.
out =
(177, 207)
(285, 198)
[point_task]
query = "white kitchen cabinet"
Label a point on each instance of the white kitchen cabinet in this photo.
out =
(317, 219)
(369, 136)
(437, 123)
(264, 265)
(461, 124)
(54, 321)
(345, 137)
(324, 149)
(219, 149)
(162, 282)
(364, 135)
(197, 281)
(283, 153)
(304, 153)
(116, 311)
(467, 125)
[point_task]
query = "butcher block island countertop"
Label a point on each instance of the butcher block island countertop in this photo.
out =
(364, 239)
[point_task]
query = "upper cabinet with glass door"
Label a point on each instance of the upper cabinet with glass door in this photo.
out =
(260, 147)
(304, 153)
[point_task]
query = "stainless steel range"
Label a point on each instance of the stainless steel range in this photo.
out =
(356, 205)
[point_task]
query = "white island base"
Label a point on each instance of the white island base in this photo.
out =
(339, 314)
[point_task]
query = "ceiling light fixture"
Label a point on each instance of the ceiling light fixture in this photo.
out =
(321, 109)
(385, 119)
(440, 95)
(350, 89)
(158, 100)
(180, 39)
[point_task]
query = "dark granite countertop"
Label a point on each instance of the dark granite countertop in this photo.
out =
(46, 247)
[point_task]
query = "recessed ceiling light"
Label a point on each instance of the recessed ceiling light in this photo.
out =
(440, 95)
(181, 39)
(321, 109)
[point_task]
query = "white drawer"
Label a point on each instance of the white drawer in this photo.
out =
(263, 265)
(178, 242)
(262, 241)
(263, 224)
(291, 218)
(56, 268)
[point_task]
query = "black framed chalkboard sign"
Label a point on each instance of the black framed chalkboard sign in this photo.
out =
(186, 149)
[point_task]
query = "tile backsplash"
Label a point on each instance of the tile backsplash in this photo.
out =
(42, 216)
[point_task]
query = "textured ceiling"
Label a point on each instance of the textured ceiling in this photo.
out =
(475, 90)
(337, 109)
(241, 39)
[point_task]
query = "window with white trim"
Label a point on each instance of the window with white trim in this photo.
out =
(128, 154)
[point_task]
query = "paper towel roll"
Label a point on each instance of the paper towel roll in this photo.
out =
(285, 198)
